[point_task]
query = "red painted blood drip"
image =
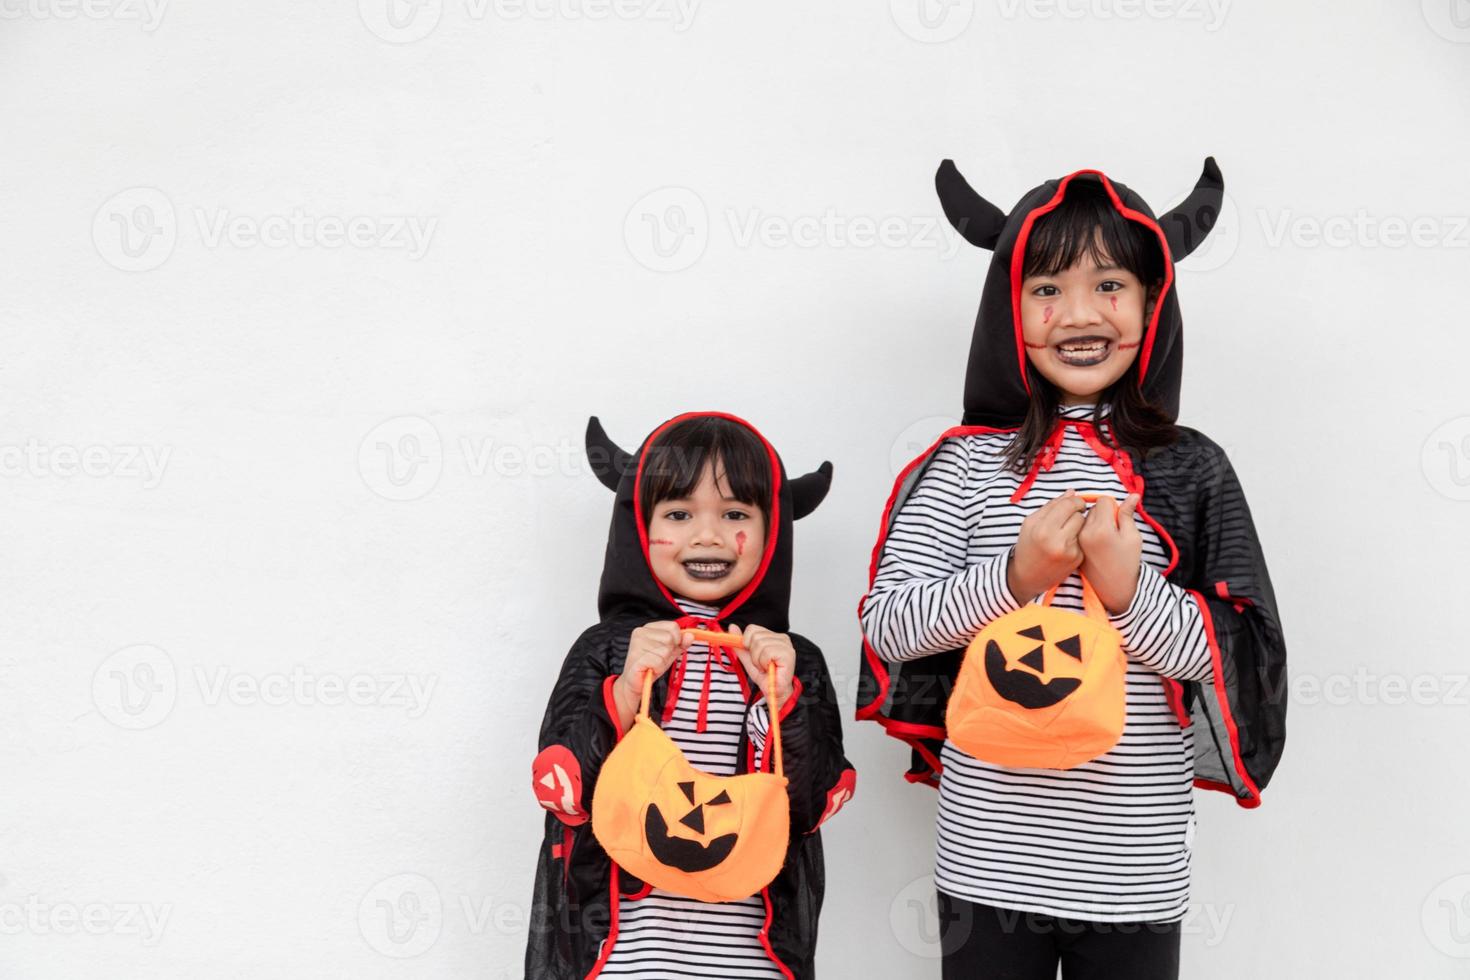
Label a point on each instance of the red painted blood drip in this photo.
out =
(739, 543)
(1046, 314)
(1115, 303)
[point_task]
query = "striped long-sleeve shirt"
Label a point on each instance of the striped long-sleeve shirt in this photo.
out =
(663, 936)
(1109, 840)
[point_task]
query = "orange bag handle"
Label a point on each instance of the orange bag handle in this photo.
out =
(715, 636)
(772, 705)
(1093, 498)
(1091, 604)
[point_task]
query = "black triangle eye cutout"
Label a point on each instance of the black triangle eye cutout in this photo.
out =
(724, 797)
(1034, 660)
(688, 789)
(1072, 646)
(694, 820)
(1033, 632)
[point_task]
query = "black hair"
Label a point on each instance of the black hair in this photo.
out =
(1086, 224)
(675, 463)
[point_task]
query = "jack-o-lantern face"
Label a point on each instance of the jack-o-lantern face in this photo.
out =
(671, 825)
(1041, 687)
(709, 847)
(1043, 671)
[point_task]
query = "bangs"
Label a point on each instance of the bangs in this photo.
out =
(1086, 225)
(675, 464)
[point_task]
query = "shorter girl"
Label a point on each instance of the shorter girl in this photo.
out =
(701, 538)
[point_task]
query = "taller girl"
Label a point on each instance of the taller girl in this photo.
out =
(1073, 388)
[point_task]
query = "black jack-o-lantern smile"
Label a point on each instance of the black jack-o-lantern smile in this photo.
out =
(682, 852)
(1021, 682)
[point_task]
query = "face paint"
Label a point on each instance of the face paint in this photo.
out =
(1115, 303)
(659, 541)
(1136, 343)
(1046, 313)
(739, 543)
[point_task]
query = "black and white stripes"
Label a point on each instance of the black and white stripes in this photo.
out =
(1109, 840)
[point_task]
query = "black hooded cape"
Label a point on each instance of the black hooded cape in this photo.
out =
(574, 909)
(1189, 494)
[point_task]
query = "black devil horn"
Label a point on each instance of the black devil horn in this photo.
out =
(810, 490)
(608, 461)
(975, 218)
(1186, 226)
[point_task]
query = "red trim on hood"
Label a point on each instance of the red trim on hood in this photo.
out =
(1254, 799)
(1018, 260)
(773, 522)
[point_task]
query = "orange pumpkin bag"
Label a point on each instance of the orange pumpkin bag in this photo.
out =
(1041, 687)
(712, 838)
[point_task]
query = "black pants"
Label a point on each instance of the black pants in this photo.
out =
(982, 942)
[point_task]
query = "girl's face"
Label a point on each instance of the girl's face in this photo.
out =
(708, 545)
(1082, 327)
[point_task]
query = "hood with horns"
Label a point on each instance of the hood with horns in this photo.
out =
(997, 391)
(628, 586)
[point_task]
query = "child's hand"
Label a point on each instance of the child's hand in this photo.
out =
(1112, 549)
(655, 647)
(763, 647)
(1047, 549)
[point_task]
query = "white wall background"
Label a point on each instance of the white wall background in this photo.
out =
(243, 477)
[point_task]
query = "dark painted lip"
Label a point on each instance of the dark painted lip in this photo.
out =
(1109, 346)
(702, 576)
